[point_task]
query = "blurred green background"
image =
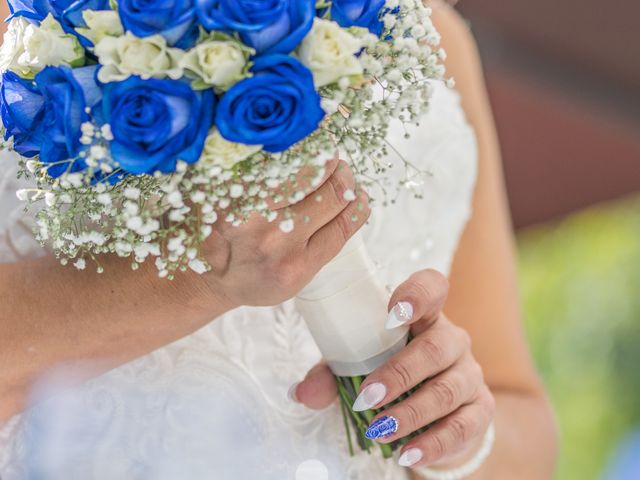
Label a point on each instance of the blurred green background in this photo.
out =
(580, 280)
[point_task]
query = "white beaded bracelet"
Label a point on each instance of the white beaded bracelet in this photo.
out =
(468, 468)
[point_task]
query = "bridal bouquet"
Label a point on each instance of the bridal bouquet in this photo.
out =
(140, 122)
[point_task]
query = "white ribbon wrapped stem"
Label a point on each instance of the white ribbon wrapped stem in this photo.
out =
(345, 308)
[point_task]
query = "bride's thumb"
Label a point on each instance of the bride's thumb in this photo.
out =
(318, 390)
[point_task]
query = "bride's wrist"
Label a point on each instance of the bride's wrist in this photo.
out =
(202, 295)
(190, 295)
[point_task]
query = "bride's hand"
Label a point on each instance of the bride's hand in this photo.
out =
(455, 399)
(258, 264)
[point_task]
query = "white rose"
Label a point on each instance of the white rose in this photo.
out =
(219, 151)
(329, 52)
(100, 24)
(128, 55)
(49, 44)
(218, 63)
(28, 48)
(13, 45)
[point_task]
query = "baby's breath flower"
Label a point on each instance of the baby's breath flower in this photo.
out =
(198, 266)
(23, 194)
(287, 226)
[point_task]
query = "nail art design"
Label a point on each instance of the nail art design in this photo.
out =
(382, 428)
(410, 457)
(399, 315)
(371, 396)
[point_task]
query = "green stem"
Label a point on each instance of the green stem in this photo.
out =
(348, 389)
(343, 409)
(361, 419)
(386, 449)
(360, 427)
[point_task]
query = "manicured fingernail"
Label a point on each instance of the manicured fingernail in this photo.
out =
(399, 315)
(381, 428)
(410, 457)
(292, 393)
(371, 396)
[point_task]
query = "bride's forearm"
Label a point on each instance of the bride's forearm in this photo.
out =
(51, 315)
(525, 446)
(94, 322)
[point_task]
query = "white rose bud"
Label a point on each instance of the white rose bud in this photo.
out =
(100, 24)
(329, 51)
(217, 63)
(219, 151)
(28, 48)
(128, 55)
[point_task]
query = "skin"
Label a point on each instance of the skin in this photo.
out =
(469, 338)
(475, 353)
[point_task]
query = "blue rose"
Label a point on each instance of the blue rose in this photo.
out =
(67, 12)
(60, 9)
(268, 26)
(359, 13)
(276, 108)
(155, 123)
(175, 20)
(21, 109)
(67, 94)
(33, 9)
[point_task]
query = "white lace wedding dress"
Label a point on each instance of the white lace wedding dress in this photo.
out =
(214, 406)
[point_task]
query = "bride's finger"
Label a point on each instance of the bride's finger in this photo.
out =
(453, 436)
(306, 181)
(424, 357)
(421, 297)
(327, 242)
(439, 397)
(324, 204)
(318, 390)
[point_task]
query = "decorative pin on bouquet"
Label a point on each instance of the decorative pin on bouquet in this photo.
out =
(139, 122)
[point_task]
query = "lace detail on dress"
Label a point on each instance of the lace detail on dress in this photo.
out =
(214, 404)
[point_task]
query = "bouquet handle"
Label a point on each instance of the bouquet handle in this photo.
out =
(345, 308)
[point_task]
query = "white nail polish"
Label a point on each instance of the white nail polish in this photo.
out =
(410, 457)
(371, 396)
(292, 393)
(399, 315)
